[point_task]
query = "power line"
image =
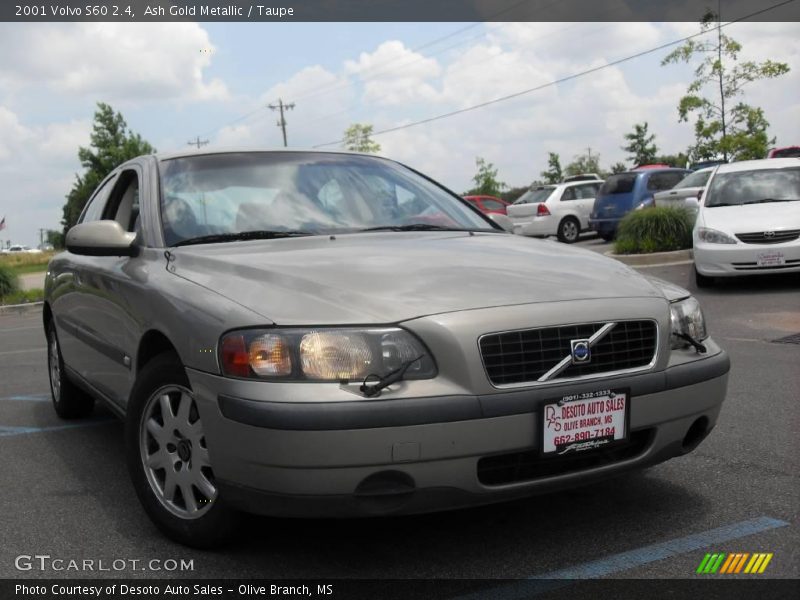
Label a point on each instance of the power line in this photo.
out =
(561, 80)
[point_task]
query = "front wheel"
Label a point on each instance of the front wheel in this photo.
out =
(568, 230)
(168, 458)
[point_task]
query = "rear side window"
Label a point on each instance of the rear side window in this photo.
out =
(696, 179)
(492, 204)
(785, 152)
(664, 181)
(621, 183)
(535, 196)
(569, 194)
(96, 206)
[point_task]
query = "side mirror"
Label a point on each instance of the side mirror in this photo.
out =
(101, 238)
(503, 221)
(700, 195)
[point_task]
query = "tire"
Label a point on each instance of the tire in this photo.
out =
(168, 461)
(702, 281)
(607, 237)
(568, 230)
(69, 401)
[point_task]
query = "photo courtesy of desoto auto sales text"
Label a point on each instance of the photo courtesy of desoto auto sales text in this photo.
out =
(400, 299)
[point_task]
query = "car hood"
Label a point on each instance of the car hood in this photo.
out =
(770, 216)
(392, 277)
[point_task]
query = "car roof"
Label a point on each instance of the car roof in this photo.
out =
(761, 163)
(238, 150)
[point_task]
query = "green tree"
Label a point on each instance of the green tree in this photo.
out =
(584, 163)
(553, 174)
(485, 180)
(723, 126)
(641, 145)
(56, 238)
(112, 143)
(618, 167)
(358, 138)
(681, 159)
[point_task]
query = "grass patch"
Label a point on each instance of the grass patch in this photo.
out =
(23, 262)
(22, 297)
(659, 229)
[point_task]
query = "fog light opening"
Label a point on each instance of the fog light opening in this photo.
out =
(696, 434)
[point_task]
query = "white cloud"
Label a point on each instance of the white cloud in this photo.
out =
(125, 63)
(393, 75)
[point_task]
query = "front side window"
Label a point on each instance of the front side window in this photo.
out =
(312, 193)
(754, 187)
(96, 206)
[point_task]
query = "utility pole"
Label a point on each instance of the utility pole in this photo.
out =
(41, 237)
(721, 89)
(197, 142)
(282, 122)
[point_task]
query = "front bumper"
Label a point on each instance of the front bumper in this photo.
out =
(727, 260)
(372, 457)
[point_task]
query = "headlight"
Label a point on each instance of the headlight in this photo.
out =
(712, 236)
(687, 318)
(323, 354)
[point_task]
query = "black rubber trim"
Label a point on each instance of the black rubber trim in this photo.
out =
(363, 414)
(368, 414)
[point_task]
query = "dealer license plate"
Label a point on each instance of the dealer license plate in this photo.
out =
(588, 421)
(771, 259)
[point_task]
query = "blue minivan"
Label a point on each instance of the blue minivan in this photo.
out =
(628, 191)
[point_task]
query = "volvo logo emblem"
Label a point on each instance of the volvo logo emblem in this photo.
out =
(581, 351)
(769, 234)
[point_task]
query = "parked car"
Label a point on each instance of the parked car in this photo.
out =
(488, 204)
(686, 193)
(631, 190)
(787, 152)
(704, 164)
(288, 333)
(561, 209)
(749, 220)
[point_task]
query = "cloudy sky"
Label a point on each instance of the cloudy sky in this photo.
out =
(175, 81)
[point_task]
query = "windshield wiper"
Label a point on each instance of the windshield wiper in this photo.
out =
(762, 200)
(383, 382)
(413, 227)
(263, 234)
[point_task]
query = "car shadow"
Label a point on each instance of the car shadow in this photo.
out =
(749, 284)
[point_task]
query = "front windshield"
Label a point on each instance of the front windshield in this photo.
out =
(316, 193)
(696, 179)
(751, 187)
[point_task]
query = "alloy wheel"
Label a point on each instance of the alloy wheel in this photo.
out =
(173, 450)
(54, 368)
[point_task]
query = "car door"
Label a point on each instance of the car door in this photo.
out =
(110, 286)
(67, 280)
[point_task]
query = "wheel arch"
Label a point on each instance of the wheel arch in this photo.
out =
(153, 343)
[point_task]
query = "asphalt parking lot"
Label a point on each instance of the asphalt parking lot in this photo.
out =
(65, 491)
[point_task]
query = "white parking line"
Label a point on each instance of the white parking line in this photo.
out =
(38, 328)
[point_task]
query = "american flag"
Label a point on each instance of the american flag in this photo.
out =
(2, 224)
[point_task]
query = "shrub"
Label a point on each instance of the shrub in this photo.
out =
(9, 282)
(659, 229)
(23, 297)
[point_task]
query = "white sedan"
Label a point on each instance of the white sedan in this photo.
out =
(686, 193)
(749, 220)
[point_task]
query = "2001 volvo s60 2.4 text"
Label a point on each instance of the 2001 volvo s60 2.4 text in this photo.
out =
(331, 334)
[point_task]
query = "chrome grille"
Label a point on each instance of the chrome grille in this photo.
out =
(527, 355)
(769, 237)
